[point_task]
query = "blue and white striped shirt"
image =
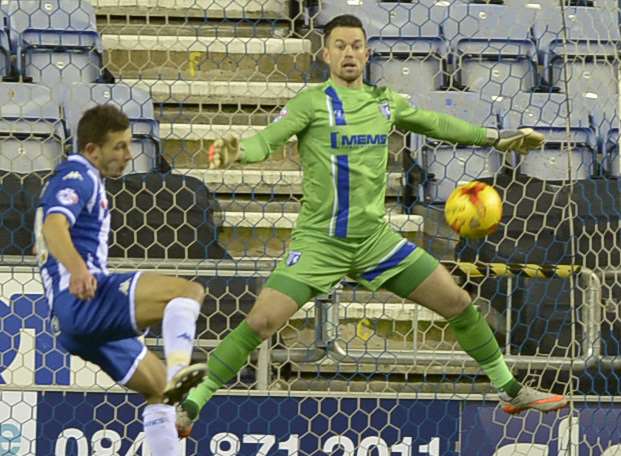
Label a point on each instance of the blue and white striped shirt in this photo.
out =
(77, 191)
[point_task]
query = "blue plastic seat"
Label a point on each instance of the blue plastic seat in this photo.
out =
(588, 45)
(547, 113)
(493, 48)
(56, 41)
(135, 103)
(407, 64)
(555, 4)
(612, 163)
(448, 165)
(389, 19)
(5, 46)
(32, 137)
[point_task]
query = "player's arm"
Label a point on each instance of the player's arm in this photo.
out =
(62, 201)
(293, 119)
(57, 237)
(452, 129)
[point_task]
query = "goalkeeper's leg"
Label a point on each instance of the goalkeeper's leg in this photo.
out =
(274, 307)
(439, 292)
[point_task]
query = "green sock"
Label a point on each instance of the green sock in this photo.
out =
(476, 338)
(225, 361)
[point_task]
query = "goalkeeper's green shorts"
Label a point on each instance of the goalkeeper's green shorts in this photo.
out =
(315, 262)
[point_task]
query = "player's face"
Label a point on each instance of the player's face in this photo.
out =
(115, 153)
(346, 53)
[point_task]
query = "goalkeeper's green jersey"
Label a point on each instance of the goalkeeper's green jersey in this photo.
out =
(343, 144)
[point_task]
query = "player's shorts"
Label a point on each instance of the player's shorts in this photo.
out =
(103, 330)
(320, 261)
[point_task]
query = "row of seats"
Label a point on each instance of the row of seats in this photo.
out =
(493, 48)
(428, 17)
(50, 41)
(594, 151)
(36, 129)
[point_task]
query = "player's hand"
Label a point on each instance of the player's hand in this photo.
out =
(224, 152)
(520, 141)
(83, 285)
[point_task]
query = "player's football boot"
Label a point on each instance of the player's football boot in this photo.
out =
(530, 398)
(183, 381)
(187, 413)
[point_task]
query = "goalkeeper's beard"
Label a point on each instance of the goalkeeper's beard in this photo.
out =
(346, 75)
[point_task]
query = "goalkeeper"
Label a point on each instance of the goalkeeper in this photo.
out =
(342, 127)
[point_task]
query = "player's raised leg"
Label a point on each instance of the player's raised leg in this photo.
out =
(160, 433)
(315, 263)
(271, 311)
(438, 291)
(176, 302)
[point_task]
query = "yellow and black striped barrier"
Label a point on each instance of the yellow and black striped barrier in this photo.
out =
(534, 271)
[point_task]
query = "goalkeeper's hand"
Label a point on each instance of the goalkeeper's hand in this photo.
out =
(520, 141)
(224, 152)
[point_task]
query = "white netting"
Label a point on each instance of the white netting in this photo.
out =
(354, 371)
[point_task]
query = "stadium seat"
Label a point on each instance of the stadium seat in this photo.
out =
(135, 103)
(56, 41)
(407, 64)
(447, 165)
(5, 46)
(388, 19)
(582, 27)
(31, 132)
(547, 113)
(583, 63)
(493, 48)
(602, 111)
(612, 164)
(609, 5)
(589, 47)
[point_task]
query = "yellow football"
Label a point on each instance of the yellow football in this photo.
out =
(473, 210)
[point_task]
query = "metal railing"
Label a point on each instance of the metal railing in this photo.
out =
(328, 345)
(590, 313)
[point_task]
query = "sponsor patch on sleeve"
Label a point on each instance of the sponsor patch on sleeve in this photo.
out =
(67, 197)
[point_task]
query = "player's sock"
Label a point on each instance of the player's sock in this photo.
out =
(160, 432)
(178, 330)
(476, 338)
(224, 362)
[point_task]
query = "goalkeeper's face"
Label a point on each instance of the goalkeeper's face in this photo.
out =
(346, 53)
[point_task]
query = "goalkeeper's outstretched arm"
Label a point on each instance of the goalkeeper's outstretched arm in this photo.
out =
(452, 129)
(293, 119)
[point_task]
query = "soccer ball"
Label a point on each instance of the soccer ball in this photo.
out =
(473, 210)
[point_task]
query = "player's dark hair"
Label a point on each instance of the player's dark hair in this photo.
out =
(97, 122)
(345, 20)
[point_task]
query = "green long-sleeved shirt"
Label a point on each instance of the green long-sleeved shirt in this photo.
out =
(343, 144)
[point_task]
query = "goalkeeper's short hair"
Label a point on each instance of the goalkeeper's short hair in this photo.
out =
(344, 20)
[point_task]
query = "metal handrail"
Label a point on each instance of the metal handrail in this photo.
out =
(590, 319)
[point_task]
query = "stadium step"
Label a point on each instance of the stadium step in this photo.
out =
(266, 235)
(380, 322)
(373, 321)
(218, 92)
(286, 220)
(238, 9)
(216, 115)
(168, 26)
(185, 145)
(264, 182)
(207, 58)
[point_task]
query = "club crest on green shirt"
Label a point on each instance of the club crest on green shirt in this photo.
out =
(293, 258)
(385, 109)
